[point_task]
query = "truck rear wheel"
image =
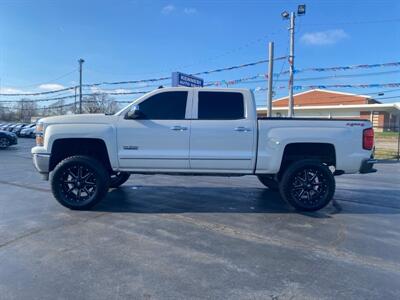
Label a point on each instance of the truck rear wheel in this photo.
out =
(307, 185)
(79, 182)
(269, 182)
(118, 178)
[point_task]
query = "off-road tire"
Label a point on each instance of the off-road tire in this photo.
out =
(307, 185)
(79, 182)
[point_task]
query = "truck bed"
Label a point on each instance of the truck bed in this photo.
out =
(311, 119)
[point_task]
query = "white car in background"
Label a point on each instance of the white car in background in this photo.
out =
(28, 131)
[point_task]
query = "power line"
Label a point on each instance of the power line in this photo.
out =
(198, 73)
(336, 68)
(349, 75)
(238, 66)
(329, 86)
(143, 80)
(250, 78)
(389, 97)
(297, 87)
(72, 96)
(39, 93)
(353, 22)
(51, 80)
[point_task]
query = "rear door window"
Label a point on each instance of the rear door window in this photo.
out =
(220, 106)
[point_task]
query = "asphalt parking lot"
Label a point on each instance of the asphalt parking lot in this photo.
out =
(162, 237)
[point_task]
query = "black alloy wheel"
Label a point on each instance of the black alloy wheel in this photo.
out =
(78, 183)
(308, 185)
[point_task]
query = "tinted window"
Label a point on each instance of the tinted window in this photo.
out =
(164, 106)
(220, 106)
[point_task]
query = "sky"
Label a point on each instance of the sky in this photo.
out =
(42, 40)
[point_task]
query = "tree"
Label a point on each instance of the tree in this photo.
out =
(25, 110)
(56, 109)
(99, 103)
(3, 113)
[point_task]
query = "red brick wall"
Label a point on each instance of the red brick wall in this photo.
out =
(321, 98)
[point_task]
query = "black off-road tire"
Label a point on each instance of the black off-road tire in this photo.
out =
(269, 182)
(79, 182)
(307, 185)
(119, 178)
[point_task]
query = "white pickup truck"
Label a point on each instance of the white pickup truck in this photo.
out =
(200, 131)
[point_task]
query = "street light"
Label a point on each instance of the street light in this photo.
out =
(301, 10)
(285, 15)
(80, 61)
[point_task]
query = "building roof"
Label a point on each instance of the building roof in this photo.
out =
(395, 107)
(324, 91)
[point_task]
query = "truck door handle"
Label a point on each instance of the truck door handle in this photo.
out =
(178, 128)
(242, 129)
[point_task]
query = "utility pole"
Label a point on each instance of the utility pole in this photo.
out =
(301, 10)
(291, 65)
(75, 100)
(81, 61)
(270, 78)
(398, 140)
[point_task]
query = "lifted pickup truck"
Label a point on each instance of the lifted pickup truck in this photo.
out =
(199, 131)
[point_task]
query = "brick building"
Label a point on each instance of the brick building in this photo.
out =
(332, 104)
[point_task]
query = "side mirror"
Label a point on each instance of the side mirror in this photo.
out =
(134, 113)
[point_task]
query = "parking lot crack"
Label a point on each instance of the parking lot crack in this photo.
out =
(29, 187)
(40, 230)
(21, 237)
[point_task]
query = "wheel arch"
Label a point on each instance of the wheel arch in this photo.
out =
(92, 147)
(323, 152)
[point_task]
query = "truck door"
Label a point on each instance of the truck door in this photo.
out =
(222, 133)
(158, 139)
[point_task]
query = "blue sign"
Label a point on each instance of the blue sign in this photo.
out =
(180, 79)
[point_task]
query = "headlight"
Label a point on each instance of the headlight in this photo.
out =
(39, 134)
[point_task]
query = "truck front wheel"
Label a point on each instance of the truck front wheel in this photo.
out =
(307, 185)
(118, 178)
(79, 182)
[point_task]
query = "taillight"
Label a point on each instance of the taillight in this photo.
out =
(368, 139)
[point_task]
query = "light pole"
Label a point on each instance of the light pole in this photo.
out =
(270, 78)
(75, 100)
(81, 61)
(301, 10)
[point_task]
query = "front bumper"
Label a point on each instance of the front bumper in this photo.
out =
(41, 162)
(367, 166)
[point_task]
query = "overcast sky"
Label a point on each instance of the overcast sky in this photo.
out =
(41, 41)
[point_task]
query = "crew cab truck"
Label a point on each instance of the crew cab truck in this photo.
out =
(199, 131)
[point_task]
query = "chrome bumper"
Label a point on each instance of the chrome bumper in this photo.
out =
(41, 162)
